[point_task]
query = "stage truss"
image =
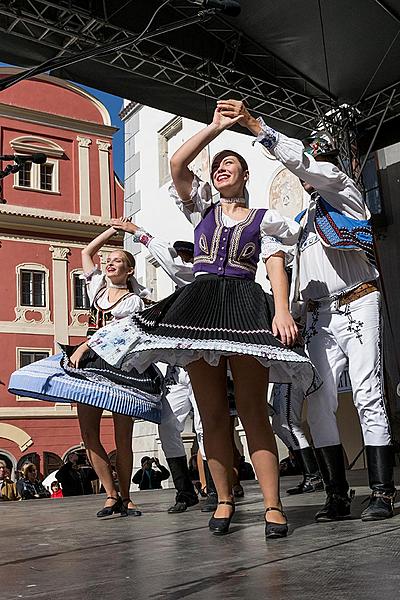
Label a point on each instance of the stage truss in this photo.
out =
(270, 87)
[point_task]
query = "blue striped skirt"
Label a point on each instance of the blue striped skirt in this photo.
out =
(96, 384)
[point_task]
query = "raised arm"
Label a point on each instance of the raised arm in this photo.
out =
(160, 250)
(334, 185)
(91, 249)
(181, 175)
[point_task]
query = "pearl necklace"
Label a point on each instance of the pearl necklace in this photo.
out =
(234, 200)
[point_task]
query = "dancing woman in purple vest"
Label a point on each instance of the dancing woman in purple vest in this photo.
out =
(224, 315)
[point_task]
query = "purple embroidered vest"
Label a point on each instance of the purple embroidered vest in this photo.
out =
(228, 251)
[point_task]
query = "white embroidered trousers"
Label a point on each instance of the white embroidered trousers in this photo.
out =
(175, 410)
(287, 401)
(335, 335)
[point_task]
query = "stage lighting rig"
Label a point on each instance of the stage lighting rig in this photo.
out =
(231, 8)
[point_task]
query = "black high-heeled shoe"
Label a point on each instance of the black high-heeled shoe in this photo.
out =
(129, 512)
(107, 511)
(221, 526)
(275, 530)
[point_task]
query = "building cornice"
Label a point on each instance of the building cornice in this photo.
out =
(129, 109)
(59, 411)
(51, 223)
(40, 118)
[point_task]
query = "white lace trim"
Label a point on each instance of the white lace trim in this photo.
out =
(210, 329)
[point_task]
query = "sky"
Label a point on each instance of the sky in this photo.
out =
(114, 105)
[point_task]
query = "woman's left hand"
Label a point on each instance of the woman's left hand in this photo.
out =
(284, 327)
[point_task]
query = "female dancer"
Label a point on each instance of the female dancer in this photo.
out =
(97, 386)
(224, 315)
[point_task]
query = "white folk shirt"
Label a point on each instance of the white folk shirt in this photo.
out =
(323, 271)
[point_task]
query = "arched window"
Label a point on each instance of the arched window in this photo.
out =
(40, 177)
(51, 462)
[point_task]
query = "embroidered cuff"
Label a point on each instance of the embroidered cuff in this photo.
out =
(268, 137)
(143, 237)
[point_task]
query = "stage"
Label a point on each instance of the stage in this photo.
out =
(59, 550)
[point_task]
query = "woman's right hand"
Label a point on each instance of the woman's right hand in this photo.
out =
(223, 121)
(78, 354)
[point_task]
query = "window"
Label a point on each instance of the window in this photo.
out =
(24, 175)
(27, 357)
(81, 299)
(38, 177)
(46, 177)
(168, 142)
(32, 288)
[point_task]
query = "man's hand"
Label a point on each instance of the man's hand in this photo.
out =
(284, 328)
(236, 109)
(123, 224)
(156, 462)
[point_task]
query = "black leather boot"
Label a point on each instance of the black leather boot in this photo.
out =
(186, 494)
(331, 464)
(211, 503)
(380, 461)
(312, 479)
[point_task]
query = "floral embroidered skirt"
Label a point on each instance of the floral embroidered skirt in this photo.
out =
(94, 383)
(209, 318)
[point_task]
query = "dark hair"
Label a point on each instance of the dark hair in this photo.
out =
(53, 483)
(216, 161)
(145, 459)
(182, 246)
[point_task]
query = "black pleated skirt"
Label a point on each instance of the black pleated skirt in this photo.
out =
(209, 318)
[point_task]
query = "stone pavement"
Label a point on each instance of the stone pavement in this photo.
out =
(59, 550)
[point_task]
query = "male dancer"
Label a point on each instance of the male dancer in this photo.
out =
(286, 406)
(177, 262)
(338, 283)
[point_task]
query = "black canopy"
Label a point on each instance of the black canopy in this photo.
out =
(293, 60)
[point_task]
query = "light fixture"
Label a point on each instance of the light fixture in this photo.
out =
(231, 8)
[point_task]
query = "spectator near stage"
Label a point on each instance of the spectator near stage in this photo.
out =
(76, 478)
(56, 491)
(29, 487)
(8, 490)
(150, 479)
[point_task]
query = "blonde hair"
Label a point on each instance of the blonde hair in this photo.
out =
(27, 468)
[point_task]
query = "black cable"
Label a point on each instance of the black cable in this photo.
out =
(325, 51)
(74, 58)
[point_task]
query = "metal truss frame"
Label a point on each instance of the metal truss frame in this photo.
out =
(269, 86)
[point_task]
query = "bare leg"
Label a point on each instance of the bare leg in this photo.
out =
(123, 427)
(89, 422)
(251, 383)
(209, 386)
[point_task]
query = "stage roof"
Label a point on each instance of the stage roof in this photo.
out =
(292, 60)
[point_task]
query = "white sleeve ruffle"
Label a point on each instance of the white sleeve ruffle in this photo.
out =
(127, 307)
(278, 234)
(94, 280)
(200, 200)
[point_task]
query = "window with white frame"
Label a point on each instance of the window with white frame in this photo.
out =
(38, 177)
(32, 287)
(168, 143)
(29, 356)
(32, 176)
(80, 297)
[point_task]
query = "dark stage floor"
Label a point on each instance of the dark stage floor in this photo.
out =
(59, 550)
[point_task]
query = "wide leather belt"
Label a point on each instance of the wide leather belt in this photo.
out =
(362, 290)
